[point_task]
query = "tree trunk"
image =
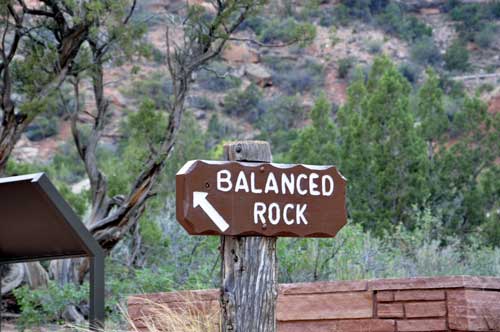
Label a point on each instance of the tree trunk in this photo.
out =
(249, 266)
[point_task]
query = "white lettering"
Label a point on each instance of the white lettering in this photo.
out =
(226, 179)
(274, 213)
(312, 185)
(300, 209)
(300, 190)
(285, 214)
(252, 184)
(324, 179)
(287, 183)
(271, 184)
(241, 183)
(258, 213)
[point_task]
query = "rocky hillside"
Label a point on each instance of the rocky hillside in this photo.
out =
(344, 40)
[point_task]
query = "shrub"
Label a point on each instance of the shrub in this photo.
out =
(217, 79)
(486, 35)
(485, 87)
(329, 16)
(202, 103)
(345, 65)
(425, 52)
(287, 31)
(292, 78)
(45, 305)
(374, 46)
(243, 103)
(457, 56)
(393, 20)
(158, 88)
(410, 71)
(256, 23)
(42, 127)
(281, 115)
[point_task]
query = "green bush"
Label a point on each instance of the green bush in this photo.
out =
(393, 20)
(329, 16)
(281, 115)
(158, 88)
(457, 56)
(486, 35)
(202, 103)
(47, 305)
(287, 31)
(410, 71)
(294, 78)
(217, 79)
(374, 46)
(43, 127)
(243, 104)
(425, 52)
(345, 65)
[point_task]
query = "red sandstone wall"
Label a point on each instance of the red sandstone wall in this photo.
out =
(390, 305)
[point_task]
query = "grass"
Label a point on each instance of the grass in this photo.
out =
(185, 315)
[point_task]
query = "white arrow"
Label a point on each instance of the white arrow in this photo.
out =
(200, 198)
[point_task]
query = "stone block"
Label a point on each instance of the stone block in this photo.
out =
(474, 310)
(351, 325)
(325, 306)
(425, 309)
(385, 296)
(390, 310)
(421, 325)
(419, 295)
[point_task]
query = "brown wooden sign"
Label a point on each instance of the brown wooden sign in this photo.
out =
(238, 198)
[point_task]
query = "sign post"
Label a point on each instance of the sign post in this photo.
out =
(249, 268)
(249, 202)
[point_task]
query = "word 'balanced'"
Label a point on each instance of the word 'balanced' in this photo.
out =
(238, 198)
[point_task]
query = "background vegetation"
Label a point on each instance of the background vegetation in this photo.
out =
(420, 152)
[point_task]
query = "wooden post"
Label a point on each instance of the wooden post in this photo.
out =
(249, 266)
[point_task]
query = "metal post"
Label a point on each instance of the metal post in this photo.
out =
(96, 315)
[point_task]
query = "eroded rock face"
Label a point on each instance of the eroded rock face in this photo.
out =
(258, 74)
(240, 53)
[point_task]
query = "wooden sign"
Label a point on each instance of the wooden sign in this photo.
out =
(238, 198)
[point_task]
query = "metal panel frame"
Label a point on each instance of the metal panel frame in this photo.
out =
(90, 246)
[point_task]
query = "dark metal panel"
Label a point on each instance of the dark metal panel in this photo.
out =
(36, 223)
(70, 217)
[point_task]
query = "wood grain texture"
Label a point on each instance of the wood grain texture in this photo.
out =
(249, 266)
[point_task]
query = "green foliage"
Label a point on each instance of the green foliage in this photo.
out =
(394, 20)
(296, 78)
(376, 144)
(457, 56)
(202, 103)
(374, 46)
(486, 35)
(356, 254)
(410, 71)
(45, 305)
(345, 65)
(315, 144)
(43, 127)
(217, 78)
(278, 122)
(287, 31)
(473, 18)
(158, 89)
(433, 121)
(243, 104)
(425, 52)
